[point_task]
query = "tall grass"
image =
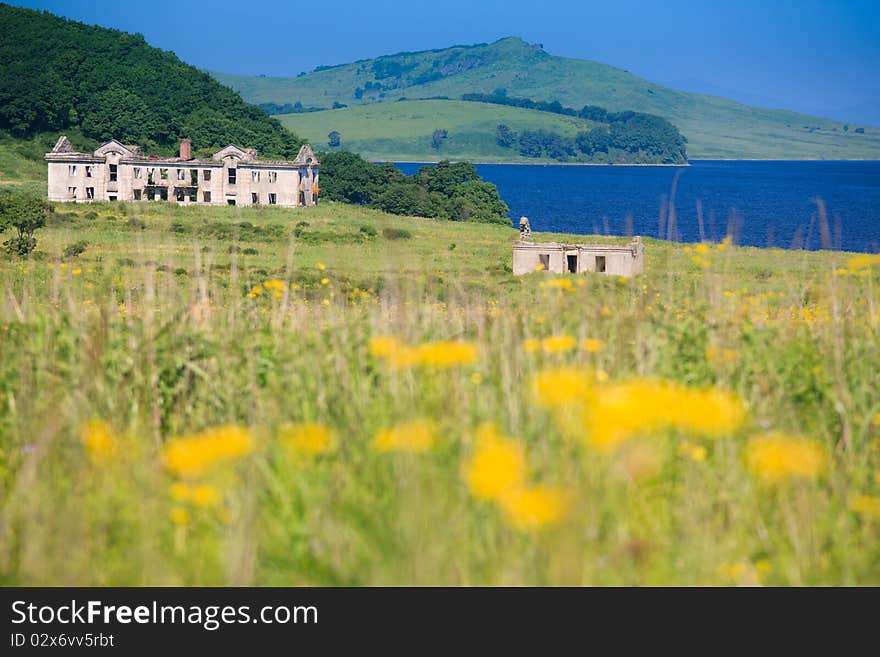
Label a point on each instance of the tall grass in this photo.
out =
(267, 374)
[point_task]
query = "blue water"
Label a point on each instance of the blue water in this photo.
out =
(761, 203)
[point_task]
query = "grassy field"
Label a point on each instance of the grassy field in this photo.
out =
(303, 397)
(402, 131)
(715, 127)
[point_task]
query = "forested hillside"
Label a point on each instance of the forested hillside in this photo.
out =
(60, 75)
(715, 127)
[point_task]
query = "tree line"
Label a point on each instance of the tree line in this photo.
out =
(447, 190)
(59, 74)
(626, 136)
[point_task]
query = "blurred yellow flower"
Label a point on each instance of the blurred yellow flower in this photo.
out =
(321, 266)
(532, 508)
(558, 343)
(621, 410)
(76, 272)
(307, 438)
(415, 436)
(274, 284)
(867, 505)
(325, 280)
(385, 346)
(192, 454)
(592, 345)
(863, 261)
(497, 465)
(721, 356)
(476, 378)
(256, 291)
(776, 457)
(561, 386)
(445, 353)
(559, 284)
(701, 248)
(179, 516)
(100, 441)
(694, 452)
(531, 345)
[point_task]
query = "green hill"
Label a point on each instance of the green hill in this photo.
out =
(61, 75)
(715, 127)
(402, 131)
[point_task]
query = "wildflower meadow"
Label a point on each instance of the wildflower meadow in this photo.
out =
(225, 396)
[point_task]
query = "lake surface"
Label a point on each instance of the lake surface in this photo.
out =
(763, 203)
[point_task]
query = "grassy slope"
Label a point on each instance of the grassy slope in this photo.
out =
(715, 127)
(151, 330)
(402, 131)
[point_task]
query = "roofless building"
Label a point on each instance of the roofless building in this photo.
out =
(232, 176)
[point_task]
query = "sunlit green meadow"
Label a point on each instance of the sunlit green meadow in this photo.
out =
(335, 396)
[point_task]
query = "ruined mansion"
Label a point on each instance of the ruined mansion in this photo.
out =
(231, 176)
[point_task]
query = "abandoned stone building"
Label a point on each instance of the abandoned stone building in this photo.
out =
(619, 260)
(232, 176)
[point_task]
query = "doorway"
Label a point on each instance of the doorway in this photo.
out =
(600, 263)
(572, 264)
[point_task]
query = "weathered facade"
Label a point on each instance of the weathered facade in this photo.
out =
(624, 260)
(232, 176)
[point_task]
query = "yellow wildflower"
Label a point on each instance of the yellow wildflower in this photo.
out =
(622, 410)
(325, 280)
(99, 440)
(694, 452)
(76, 272)
(564, 284)
(775, 457)
(592, 345)
(256, 291)
(321, 266)
(179, 516)
(192, 454)
(205, 495)
(445, 353)
(532, 508)
(866, 505)
(863, 261)
(561, 386)
(415, 436)
(497, 465)
(274, 284)
(702, 249)
(307, 438)
(721, 355)
(476, 378)
(558, 343)
(531, 345)
(385, 346)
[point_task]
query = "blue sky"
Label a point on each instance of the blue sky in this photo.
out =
(819, 57)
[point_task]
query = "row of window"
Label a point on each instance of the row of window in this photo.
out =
(271, 176)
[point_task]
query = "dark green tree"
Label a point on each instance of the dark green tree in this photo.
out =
(334, 139)
(437, 138)
(504, 136)
(25, 213)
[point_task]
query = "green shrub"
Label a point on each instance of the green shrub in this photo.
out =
(250, 251)
(135, 223)
(396, 234)
(75, 249)
(369, 231)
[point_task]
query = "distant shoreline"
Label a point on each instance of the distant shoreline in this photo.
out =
(534, 164)
(597, 164)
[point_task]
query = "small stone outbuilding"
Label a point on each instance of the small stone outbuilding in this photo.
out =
(617, 260)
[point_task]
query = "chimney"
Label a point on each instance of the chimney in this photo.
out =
(185, 148)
